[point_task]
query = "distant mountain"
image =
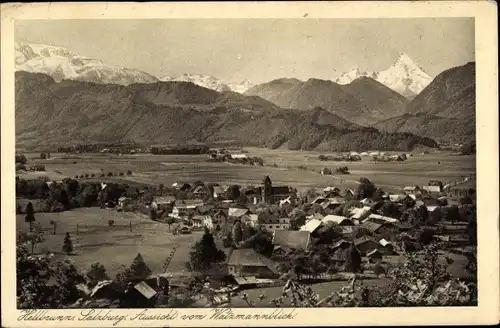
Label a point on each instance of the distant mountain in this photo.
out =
(363, 101)
(205, 81)
(404, 77)
(444, 110)
(60, 64)
(69, 112)
(240, 87)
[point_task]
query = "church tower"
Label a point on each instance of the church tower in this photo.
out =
(267, 188)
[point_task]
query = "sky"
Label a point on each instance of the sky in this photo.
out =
(260, 50)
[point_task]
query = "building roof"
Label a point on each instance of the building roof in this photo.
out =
(218, 190)
(432, 188)
(292, 239)
(340, 242)
(397, 198)
(282, 190)
(411, 188)
(347, 229)
(358, 212)
(318, 200)
(384, 242)
(336, 200)
(372, 226)
(249, 257)
(335, 218)
(163, 199)
(145, 290)
(373, 252)
(330, 189)
(363, 240)
(102, 284)
(432, 208)
(237, 212)
(378, 217)
(311, 225)
(199, 189)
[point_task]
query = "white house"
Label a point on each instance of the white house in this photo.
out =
(238, 156)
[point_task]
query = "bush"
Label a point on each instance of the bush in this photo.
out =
(110, 174)
(77, 176)
(86, 175)
(378, 269)
(111, 223)
(102, 175)
(121, 174)
(92, 175)
(129, 172)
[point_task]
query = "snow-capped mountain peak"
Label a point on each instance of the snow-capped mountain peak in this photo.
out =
(241, 87)
(205, 81)
(61, 63)
(404, 76)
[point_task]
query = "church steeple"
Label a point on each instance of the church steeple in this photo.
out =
(267, 187)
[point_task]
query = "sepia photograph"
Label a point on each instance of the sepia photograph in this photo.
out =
(239, 163)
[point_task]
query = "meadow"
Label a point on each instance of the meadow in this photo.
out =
(419, 169)
(113, 246)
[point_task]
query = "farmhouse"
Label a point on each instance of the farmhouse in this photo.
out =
(292, 239)
(365, 245)
(374, 255)
(318, 200)
(340, 220)
(359, 214)
(386, 247)
(311, 225)
(411, 188)
(380, 219)
(218, 192)
(333, 203)
(247, 262)
(432, 189)
(200, 191)
(329, 190)
(237, 212)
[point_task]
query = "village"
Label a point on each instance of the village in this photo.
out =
(261, 236)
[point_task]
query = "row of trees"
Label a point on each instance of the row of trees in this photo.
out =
(180, 150)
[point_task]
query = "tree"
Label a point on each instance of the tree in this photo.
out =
(137, 272)
(43, 155)
(237, 233)
(30, 215)
(297, 221)
(54, 225)
(33, 275)
(426, 236)
(96, 274)
(64, 199)
(152, 213)
(204, 254)
(328, 233)
(248, 231)
(233, 193)
(366, 189)
(353, 260)
(68, 244)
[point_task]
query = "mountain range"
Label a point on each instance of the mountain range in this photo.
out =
(444, 110)
(404, 76)
(81, 90)
(68, 112)
(363, 101)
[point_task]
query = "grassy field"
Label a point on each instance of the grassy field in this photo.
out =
(167, 169)
(115, 247)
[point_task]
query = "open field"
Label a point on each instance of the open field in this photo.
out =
(115, 247)
(167, 169)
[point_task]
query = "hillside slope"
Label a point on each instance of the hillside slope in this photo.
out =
(445, 110)
(68, 112)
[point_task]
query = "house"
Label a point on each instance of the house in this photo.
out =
(341, 244)
(311, 226)
(139, 295)
(285, 201)
(340, 220)
(218, 192)
(184, 209)
(162, 201)
(360, 213)
(237, 212)
(332, 194)
(319, 200)
(238, 156)
(329, 190)
(376, 218)
(123, 202)
(246, 262)
(347, 230)
(432, 189)
(333, 203)
(397, 198)
(326, 171)
(386, 247)
(411, 189)
(374, 255)
(107, 289)
(199, 220)
(276, 225)
(316, 216)
(292, 239)
(282, 250)
(366, 202)
(200, 191)
(349, 193)
(365, 245)
(380, 228)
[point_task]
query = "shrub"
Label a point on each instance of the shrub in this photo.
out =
(77, 176)
(378, 269)
(68, 244)
(111, 223)
(129, 172)
(110, 174)
(92, 175)
(102, 175)
(121, 174)
(86, 175)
